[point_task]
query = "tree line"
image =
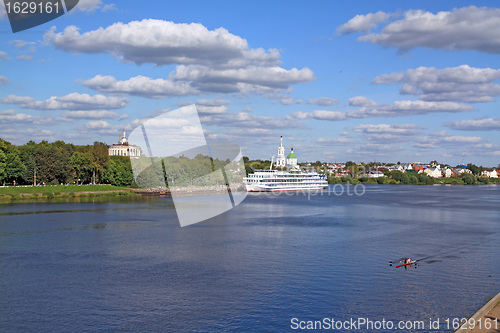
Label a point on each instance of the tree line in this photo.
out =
(65, 163)
(62, 163)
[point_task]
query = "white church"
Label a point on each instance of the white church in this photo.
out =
(290, 161)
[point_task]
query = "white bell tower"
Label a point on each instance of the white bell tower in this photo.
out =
(281, 160)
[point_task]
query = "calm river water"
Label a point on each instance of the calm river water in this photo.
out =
(129, 266)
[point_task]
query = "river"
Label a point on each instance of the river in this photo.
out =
(127, 265)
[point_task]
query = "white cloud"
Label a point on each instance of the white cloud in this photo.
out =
(462, 83)
(363, 23)
(248, 121)
(3, 12)
(140, 86)
(482, 124)
(208, 106)
(245, 80)
(468, 28)
(333, 141)
(73, 101)
(328, 115)
(99, 127)
(24, 57)
(386, 132)
(399, 129)
(109, 7)
(361, 101)
(288, 100)
(4, 56)
(322, 101)
(406, 108)
(163, 42)
(3, 80)
(11, 117)
(444, 139)
(207, 60)
(88, 5)
(21, 43)
(320, 115)
(399, 108)
(91, 114)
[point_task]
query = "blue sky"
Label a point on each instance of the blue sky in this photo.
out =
(364, 81)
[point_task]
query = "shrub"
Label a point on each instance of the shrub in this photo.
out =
(468, 179)
(483, 180)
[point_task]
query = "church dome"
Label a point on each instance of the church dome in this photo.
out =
(291, 155)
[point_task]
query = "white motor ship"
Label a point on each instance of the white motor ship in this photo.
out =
(293, 180)
(278, 180)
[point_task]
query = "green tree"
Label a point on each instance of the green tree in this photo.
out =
(82, 164)
(100, 159)
(118, 171)
(11, 167)
(353, 168)
(423, 179)
(468, 179)
(396, 175)
(405, 178)
(475, 169)
(3, 164)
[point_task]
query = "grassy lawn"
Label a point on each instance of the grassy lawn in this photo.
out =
(12, 190)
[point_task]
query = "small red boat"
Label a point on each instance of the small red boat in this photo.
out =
(407, 264)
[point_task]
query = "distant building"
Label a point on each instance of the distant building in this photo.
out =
(281, 160)
(291, 159)
(123, 148)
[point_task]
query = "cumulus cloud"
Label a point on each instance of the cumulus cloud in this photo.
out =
(248, 121)
(361, 101)
(482, 124)
(207, 60)
(320, 115)
(3, 12)
(363, 23)
(444, 139)
(400, 129)
(249, 79)
(288, 100)
(3, 80)
(93, 114)
(91, 6)
(322, 101)
(4, 56)
(11, 117)
(468, 28)
(140, 86)
(407, 108)
(209, 106)
(333, 141)
(22, 43)
(99, 127)
(399, 108)
(73, 101)
(386, 132)
(25, 57)
(462, 83)
(163, 42)
(109, 7)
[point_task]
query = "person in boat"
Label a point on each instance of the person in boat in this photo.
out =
(408, 261)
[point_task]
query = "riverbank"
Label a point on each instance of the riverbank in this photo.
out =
(421, 180)
(485, 320)
(23, 193)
